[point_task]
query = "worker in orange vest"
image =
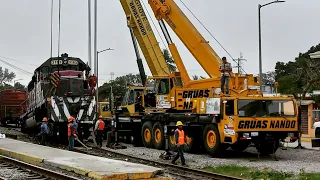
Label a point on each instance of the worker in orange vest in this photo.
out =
(99, 127)
(71, 133)
(180, 142)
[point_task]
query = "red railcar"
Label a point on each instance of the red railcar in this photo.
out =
(12, 105)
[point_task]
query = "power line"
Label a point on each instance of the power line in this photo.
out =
(17, 61)
(16, 68)
(208, 31)
(239, 63)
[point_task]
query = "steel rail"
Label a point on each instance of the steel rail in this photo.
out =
(37, 169)
(175, 170)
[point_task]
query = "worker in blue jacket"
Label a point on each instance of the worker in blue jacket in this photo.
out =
(44, 131)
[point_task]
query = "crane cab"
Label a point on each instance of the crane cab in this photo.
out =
(159, 94)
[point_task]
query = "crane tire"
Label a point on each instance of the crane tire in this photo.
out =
(146, 134)
(211, 141)
(158, 136)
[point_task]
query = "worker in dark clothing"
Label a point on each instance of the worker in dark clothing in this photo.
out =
(180, 142)
(44, 131)
(75, 125)
(71, 133)
(138, 104)
(99, 128)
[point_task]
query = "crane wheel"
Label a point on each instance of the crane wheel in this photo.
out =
(211, 139)
(158, 136)
(146, 134)
(192, 144)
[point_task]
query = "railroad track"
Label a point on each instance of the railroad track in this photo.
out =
(178, 172)
(24, 170)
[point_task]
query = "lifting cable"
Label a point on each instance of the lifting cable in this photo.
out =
(165, 47)
(210, 33)
(154, 26)
(51, 29)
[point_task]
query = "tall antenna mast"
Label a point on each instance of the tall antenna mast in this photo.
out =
(239, 63)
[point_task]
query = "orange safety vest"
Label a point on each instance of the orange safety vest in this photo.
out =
(69, 130)
(101, 125)
(181, 137)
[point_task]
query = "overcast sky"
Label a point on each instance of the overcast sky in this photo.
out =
(287, 29)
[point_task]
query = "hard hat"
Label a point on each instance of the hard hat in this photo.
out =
(45, 119)
(179, 123)
(100, 117)
(70, 119)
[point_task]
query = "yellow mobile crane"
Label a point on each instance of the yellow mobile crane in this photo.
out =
(213, 121)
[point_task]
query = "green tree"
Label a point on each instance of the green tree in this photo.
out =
(169, 60)
(5, 86)
(268, 78)
(300, 76)
(19, 86)
(119, 86)
(196, 77)
(6, 76)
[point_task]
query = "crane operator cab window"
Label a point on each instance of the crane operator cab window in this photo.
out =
(156, 87)
(163, 87)
(230, 108)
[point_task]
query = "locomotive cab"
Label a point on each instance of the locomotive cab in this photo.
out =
(71, 84)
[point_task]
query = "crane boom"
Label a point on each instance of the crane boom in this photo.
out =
(188, 34)
(138, 22)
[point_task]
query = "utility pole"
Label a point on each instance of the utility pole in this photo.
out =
(89, 37)
(239, 63)
(111, 74)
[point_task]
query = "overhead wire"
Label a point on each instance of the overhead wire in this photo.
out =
(209, 32)
(18, 61)
(16, 68)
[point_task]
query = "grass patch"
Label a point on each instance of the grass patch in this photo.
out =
(265, 174)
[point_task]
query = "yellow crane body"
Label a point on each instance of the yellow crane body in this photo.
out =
(212, 120)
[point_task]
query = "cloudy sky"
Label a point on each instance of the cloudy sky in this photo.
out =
(287, 29)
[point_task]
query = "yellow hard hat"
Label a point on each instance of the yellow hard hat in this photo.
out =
(179, 123)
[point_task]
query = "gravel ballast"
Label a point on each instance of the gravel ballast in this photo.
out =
(290, 160)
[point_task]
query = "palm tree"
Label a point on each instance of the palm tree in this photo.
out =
(196, 77)
(169, 60)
